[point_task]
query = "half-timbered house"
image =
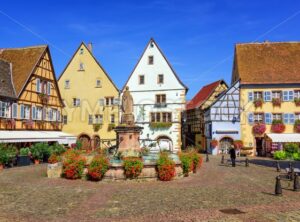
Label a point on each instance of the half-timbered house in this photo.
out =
(222, 120)
(193, 116)
(30, 100)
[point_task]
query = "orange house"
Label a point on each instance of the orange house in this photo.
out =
(30, 101)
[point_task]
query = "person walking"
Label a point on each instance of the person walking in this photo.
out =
(232, 155)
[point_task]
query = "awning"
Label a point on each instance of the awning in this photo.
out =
(284, 137)
(15, 136)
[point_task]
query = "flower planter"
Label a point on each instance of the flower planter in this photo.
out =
(258, 103)
(36, 162)
(259, 129)
(238, 144)
(214, 143)
(277, 126)
(276, 102)
(1, 167)
(160, 125)
(54, 170)
(297, 101)
(23, 161)
(297, 128)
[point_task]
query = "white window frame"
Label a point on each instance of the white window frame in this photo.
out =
(14, 110)
(98, 118)
(33, 113)
(112, 118)
(250, 96)
(267, 96)
(49, 88)
(76, 102)
(289, 118)
(268, 118)
(38, 85)
(39, 113)
(27, 109)
(90, 119)
(67, 84)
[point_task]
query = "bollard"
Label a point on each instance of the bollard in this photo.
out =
(207, 158)
(296, 183)
(290, 166)
(278, 166)
(247, 162)
(223, 158)
(278, 189)
(292, 176)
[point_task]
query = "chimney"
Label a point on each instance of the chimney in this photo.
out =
(90, 47)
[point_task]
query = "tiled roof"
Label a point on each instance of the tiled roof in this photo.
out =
(6, 85)
(23, 61)
(263, 63)
(203, 95)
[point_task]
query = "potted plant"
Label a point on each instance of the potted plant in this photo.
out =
(297, 126)
(277, 126)
(24, 159)
(165, 167)
(54, 159)
(37, 152)
(98, 167)
(258, 102)
(111, 126)
(238, 144)
(73, 164)
(214, 143)
(297, 101)
(276, 101)
(186, 163)
(3, 158)
(197, 161)
(133, 167)
(259, 128)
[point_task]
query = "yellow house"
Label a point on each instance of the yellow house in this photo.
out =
(30, 101)
(269, 94)
(91, 100)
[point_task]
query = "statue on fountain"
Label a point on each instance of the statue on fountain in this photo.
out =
(128, 134)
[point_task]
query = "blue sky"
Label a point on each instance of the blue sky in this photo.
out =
(197, 36)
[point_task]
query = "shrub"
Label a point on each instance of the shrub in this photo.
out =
(280, 155)
(73, 164)
(40, 150)
(57, 149)
(259, 128)
(165, 167)
(133, 166)
(186, 163)
(77, 145)
(258, 102)
(24, 151)
(54, 158)
(290, 149)
(3, 157)
(197, 160)
(10, 152)
(296, 156)
(98, 167)
(297, 125)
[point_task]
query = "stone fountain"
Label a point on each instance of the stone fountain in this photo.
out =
(128, 134)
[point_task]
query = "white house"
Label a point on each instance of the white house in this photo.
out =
(222, 120)
(159, 98)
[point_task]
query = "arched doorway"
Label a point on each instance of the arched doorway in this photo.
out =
(225, 144)
(165, 143)
(96, 142)
(85, 141)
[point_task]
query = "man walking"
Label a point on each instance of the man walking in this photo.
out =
(232, 155)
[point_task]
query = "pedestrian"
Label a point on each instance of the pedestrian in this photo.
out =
(232, 155)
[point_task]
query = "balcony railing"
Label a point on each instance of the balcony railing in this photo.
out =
(160, 105)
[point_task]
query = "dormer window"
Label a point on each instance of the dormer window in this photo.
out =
(141, 79)
(81, 66)
(160, 79)
(81, 51)
(150, 60)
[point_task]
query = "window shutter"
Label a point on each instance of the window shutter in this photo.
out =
(49, 88)
(58, 116)
(250, 118)
(101, 102)
(38, 85)
(286, 118)
(268, 118)
(285, 96)
(15, 110)
(291, 95)
(22, 112)
(250, 96)
(33, 112)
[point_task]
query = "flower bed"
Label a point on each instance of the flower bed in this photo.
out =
(259, 129)
(73, 164)
(277, 126)
(97, 168)
(133, 167)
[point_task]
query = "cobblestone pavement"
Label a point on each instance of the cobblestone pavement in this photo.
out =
(215, 193)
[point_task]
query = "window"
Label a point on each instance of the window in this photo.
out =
(98, 83)
(161, 117)
(44, 87)
(160, 79)
(76, 102)
(289, 118)
(39, 113)
(150, 60)
(276, 94)
(67, 84)
(258, 117)
(81, 66)
(44, 114)
(90, 119)
(160, 99)
(54, 117)
(297, 116)
(288, 95)
(15, 110)
(112, 118)
(250, 118)
(81, 51)
(50, 114)
(58, 116)
(297, 94)
(268, 118)
(257, 95)
(267, 96)
(109, 101)
(277, 116)
(38, 85)
(101, 102)
(250, 96)
(33, 112)
(99, 119)
(25, 112)
(49, 88)
(141, 79)
(4, 109)
(65, 119)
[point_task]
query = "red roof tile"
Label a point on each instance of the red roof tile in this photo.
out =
(202, 95)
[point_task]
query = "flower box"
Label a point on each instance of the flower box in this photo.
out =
(160, 125)
(97, 126)
(238, 144)
(258, 103)
(44, 97)
(277, 126)
(55, 125)
(10, 123)
(28, 124)
(297, 101)
(214, 143)
(297, 126)
(111, 126)
(259, 129)
(276, 101)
